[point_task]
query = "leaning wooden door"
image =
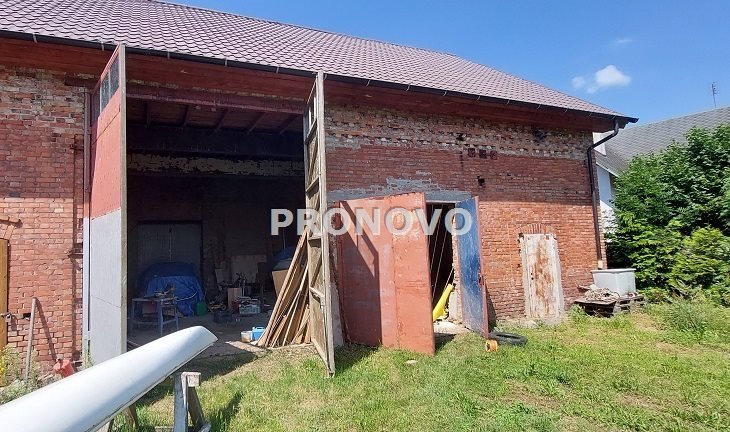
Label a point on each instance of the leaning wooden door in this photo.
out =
(384, 275)
(541, 276)
(318, 257)
(4, 270)
(107, 236)
(471, 286)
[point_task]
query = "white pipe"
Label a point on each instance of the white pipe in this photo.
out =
(89, 399)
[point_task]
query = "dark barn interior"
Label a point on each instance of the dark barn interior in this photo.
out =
(202, 181)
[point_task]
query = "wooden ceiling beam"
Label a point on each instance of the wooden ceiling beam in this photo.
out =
(287, 124)
(255, 122)
(186, 117)
(214, 99)
(147, 113)
(221, 119)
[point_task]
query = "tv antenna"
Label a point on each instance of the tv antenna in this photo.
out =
(713, 87)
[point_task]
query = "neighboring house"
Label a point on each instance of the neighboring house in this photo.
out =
(613, 156)
(139, 131)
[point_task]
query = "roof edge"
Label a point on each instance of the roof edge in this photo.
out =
(104, 46)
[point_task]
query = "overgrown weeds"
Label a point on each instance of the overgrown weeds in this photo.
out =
(694, 321)
(12, 382)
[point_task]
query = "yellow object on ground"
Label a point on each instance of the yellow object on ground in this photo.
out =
(440, 308)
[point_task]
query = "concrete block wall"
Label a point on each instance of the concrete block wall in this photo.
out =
(41, 121)
(534, 181)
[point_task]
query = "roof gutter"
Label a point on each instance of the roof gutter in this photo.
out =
(109, 46)
(594, 194)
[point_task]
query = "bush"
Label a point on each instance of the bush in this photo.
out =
(702, 266)
(672, 219)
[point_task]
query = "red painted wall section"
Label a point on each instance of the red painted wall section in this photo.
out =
(529, 184)
(41, 121)
(106, 187)
(385, 281)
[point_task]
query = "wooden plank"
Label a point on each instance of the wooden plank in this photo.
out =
(255, 122)
(294, 273)
(286, 124)
(221, 119)
(213, 99)
(4, 271)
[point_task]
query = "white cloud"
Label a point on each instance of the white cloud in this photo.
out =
(610, 76)
(621, 41)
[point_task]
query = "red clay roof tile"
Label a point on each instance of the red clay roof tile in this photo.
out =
(155, 25)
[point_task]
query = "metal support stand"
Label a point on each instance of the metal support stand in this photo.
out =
(187, 402)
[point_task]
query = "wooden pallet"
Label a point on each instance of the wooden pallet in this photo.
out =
(608, 308)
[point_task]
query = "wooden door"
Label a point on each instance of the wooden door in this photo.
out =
(471, 287)
(4, 270)
(317, 244)
(541, 276)
(384, 278)
(107, 236)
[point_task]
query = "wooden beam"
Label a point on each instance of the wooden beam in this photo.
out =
(223, 116)
(225, 142)
(186, 117)
(255, 122)
(287, 124)
(147, 113)
(213, 99)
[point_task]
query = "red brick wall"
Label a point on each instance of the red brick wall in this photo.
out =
(531, 185)
(41, 119)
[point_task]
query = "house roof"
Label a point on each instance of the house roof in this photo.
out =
(172, 28)
(654, 137)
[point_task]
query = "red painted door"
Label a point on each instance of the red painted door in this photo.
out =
(106, 212)
(384, 277)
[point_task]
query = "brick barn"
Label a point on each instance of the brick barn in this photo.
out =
(123, 121)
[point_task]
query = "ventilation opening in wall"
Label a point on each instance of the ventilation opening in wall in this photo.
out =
(201, 186)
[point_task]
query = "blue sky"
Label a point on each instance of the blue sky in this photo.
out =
(649, 59)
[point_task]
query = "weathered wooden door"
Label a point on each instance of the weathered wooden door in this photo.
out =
(541, 276)
(384, 277)
(471, 286)
(107, 226)
(4, 270)
(318, 257)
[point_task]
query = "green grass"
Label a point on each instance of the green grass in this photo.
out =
(630, 372)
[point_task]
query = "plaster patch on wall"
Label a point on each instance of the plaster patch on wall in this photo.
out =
(205, 165)
(393, 186)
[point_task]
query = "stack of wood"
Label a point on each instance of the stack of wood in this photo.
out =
(289, 322)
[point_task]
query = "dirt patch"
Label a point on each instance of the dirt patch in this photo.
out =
(520, 392)
(640, 401)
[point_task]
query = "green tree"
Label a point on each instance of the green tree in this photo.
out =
(672, 214)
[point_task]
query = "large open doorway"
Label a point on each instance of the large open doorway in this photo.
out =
(201, 184)
(183, 176)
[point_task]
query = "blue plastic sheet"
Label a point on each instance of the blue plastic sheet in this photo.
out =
(158, 277)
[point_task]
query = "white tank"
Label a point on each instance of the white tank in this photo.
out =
(621, 281)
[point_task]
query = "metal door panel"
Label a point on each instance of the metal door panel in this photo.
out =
(471, 288)
(384, 278)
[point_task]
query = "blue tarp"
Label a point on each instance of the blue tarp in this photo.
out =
(158, 277)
